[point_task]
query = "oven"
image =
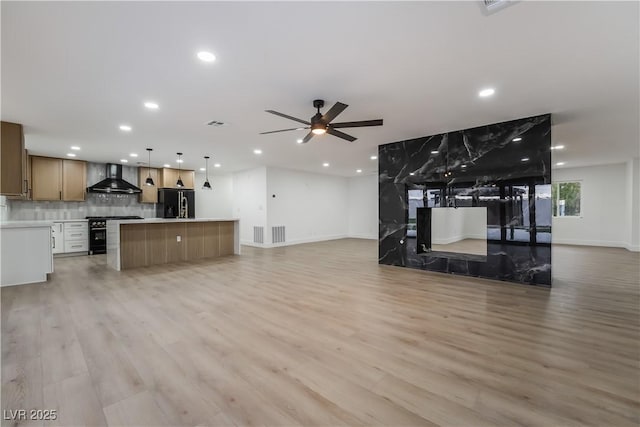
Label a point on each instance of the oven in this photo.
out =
(98, 232)
(97, 236)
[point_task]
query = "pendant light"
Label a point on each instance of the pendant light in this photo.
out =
(149, 180)
(206, 185)
(179, 183)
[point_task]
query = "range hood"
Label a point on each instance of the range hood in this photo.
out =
(114, 183)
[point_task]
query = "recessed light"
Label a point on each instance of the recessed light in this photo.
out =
(560, 164)
(518, 139)
(326, 165)
(299, 141)
(463, 166)
(524, 159)
(125, 128)
(206, 56)
(217, 165)
(124, 160)
(167, 165)
(71, 154)
(486, 92)
(75, 147)
(257, 151)
(202, 169)
(411, 173)
(133, 155)
(179, 161)
(151, 105)
(374, 157)
(434, 152)
(359, 170)
(557, 147)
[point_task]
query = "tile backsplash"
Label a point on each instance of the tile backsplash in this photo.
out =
(96, 204)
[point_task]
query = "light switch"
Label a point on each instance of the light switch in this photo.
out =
(178, 238)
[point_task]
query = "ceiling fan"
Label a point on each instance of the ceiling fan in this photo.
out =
(321, 123)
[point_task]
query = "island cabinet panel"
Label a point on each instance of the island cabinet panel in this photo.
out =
(211, 239)
(153, 243)
(226, 238)
(132, 246)
(156, 244)
(195, 240)
(176, 242)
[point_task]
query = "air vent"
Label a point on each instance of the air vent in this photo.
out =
(258, 234)
(216, 123)
(492, 6)
(277, 234)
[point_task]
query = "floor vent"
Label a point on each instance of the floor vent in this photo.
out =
(277, 234)
(258, 234)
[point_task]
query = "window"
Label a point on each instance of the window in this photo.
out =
(566, 198)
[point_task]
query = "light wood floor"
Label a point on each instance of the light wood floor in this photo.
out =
(464, 246)
(321, 335)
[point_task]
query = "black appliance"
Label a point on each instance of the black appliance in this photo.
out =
(175, 203)
(98, 232)
(113, 183)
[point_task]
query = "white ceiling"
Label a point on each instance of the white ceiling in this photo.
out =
(73, 72)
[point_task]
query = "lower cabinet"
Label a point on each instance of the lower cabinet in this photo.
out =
(70, 237)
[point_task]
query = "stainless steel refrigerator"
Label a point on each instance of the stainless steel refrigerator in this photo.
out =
(176, 203)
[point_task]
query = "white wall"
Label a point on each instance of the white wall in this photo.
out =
(363, 207)
(312, 207)
(249, 201)
(450, 225)
(215, 203)
(633, 204)
(604, 207)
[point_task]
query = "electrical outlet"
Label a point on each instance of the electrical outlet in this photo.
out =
(178, 238)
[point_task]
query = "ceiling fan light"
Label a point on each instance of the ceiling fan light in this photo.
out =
(319, 131)
(149, 181)
(206, 186)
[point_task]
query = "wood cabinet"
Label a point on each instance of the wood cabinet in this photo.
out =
(58, 179)
(167, 178)
(74, 180)
(46, 178)
(149, 192)
(13, 168)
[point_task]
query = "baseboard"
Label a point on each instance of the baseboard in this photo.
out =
(633, 248)
(363, 236)
(602, 243)
(295, 241)
(447, 241)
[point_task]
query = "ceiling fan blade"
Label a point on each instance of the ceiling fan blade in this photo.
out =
(307, 138)
(282, 130)
(339, 134)
(358, 124)
(333, 112)
(288, 117)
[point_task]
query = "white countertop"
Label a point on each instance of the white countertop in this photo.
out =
(168, 220)
(25, 224)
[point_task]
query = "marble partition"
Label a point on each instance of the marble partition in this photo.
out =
(505, 167)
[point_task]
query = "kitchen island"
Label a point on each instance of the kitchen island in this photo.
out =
(145, 242)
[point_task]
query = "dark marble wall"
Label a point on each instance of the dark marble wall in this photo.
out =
(484, 166)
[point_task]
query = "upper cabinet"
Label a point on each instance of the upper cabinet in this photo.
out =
(149, 192)
(74, 180)
(13, 160)
(58, 179)
(168, 177)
